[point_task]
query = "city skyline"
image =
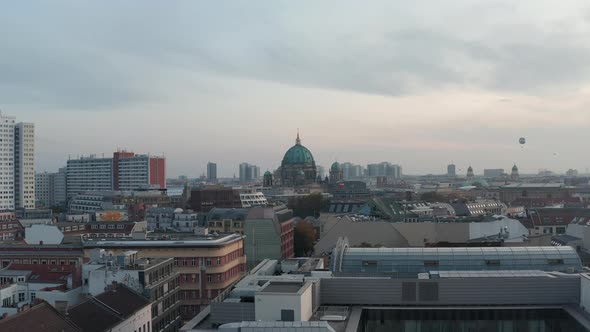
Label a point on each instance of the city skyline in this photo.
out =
(418, 84)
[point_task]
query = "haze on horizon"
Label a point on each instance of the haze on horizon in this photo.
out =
(418, 83)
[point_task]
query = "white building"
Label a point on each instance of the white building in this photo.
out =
(24, 162)
(7, 168)
(89, 174)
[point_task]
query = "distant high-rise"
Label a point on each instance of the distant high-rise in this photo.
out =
(89, 174)
(211, 172)
(24, 162)
(7, 168)
(50, 188)
(249, 173)
(384, 169)
(17, 164)
(126, 171)
(243, 172)
(451, 170)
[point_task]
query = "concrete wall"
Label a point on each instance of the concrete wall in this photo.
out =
(72, 296)
(459, 291)
(585, 292)
(268, 306)
(140, 319)
(99, 279)
(227, 312)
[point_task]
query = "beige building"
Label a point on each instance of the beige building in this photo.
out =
(206, 265)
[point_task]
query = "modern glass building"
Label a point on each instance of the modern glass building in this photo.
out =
(421, 260)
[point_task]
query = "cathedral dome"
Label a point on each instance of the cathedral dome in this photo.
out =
(298, 155)
(335, 167)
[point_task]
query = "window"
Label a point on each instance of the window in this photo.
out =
(492, 262)
(430, 263)
(218, 260)
(33, 296)
(21, 297)
(555, 261)
(209, 277)
(208, 261)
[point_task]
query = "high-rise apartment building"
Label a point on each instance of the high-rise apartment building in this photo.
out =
(24, 161)
(50, 188)
(7, 169)
(132, 172)
(17, 164)
(126, 171)
(88, 174)
(211, 172)
(249, 173)
(384, 169)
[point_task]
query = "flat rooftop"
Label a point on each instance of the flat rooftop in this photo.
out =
(283, 287)
(195, 241)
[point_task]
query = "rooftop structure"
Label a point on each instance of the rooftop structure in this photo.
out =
(411, 261)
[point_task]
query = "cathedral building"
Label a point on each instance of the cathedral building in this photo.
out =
(298, 167)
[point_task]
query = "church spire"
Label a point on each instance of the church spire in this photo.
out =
(298, 140)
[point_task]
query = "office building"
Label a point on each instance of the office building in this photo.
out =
(207, 198)
(126, 171)
(384, 169)
(24, 162)
(211, 172)
(451, 170)
(269, 232)
(384, 289)
(89, 174)
(249, 173)
(132, 171)
(207, 265)
(50, 189)
(155, 278)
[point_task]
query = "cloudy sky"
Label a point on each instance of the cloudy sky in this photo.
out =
(420, 83)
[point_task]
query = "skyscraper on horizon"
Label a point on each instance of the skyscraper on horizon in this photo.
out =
(17, 164)
(451, 170)
(211, 172)
(7, 168)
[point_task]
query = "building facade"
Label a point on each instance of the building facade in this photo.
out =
(89, 174)
(298, 166)
(7, 181)
(156, 279)
(24, 161)
(50, 189)
(206, 266)
(132, 172)
(211, 172)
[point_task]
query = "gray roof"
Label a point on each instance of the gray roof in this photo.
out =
(420, 260)
(374, 232)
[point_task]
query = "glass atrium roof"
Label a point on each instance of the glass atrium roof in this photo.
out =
(420, 260)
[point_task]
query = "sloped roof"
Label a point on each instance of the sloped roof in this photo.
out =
(40, 318)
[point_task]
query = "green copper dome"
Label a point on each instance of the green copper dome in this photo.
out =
(335, 167)
(298, 155)
(267, 173)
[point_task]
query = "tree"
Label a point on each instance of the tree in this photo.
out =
(310, 205)
(304, 238)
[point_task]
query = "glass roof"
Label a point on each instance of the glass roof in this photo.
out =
(419, 260)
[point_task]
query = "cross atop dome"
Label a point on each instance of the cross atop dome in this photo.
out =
(298, 140)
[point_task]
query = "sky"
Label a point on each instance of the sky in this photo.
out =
(419, 83)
